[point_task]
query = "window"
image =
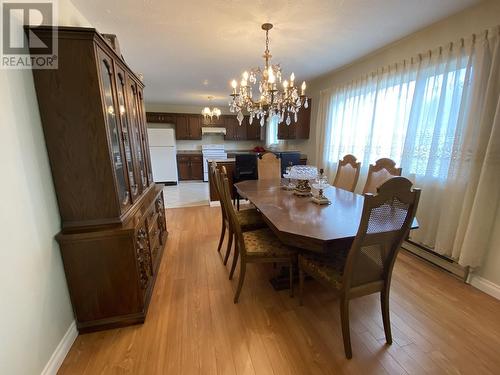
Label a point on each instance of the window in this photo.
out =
(408, 117)
(272, 131)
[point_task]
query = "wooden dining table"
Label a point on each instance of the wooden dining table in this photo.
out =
(301, 223)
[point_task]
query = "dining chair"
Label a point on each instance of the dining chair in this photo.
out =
(347, 173)
(288, 159)
(269, 166)
(366, 268)
(249, 219)
(245, 168)
(378, 173)
(256, 246)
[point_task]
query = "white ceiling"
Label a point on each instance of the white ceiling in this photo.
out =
(189, 49)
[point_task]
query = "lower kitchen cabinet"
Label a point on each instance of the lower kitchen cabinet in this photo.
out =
(190, 167)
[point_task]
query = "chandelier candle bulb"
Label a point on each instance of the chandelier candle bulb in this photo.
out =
(303, 87)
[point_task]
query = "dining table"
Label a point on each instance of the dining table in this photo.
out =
(300, 223)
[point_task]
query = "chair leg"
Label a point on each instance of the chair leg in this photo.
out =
(222, 235)
(384, 301)
(291, 278)
(229, 245)
(344, 317)
(240, 281)
(301, 285)
(238, 202)
(235, 260)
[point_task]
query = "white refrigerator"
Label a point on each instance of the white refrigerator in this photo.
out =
(163, 155)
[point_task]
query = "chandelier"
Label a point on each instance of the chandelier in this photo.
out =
(270, 101)
(210, 113)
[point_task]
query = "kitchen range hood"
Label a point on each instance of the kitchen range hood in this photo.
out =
(213, 130)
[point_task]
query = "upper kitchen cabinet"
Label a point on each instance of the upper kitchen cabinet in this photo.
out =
(161, 117)
(255, 132)
(181, 126)
(235, 131)
(187, 126)
(194, 125)
(299, 129)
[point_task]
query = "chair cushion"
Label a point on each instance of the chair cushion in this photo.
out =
(329, 269)
(263, 243)
(250, 220)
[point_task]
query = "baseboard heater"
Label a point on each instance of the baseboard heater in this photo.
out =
(437, 259)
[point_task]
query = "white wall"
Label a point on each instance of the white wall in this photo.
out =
(473, 20)
(490, 269)
(36, 310)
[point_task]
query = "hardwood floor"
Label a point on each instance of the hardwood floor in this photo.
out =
(440, 325)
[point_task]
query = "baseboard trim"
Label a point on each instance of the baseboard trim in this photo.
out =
(485, 286)
(61, 351)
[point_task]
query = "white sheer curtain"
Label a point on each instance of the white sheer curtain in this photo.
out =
(364, 118)
(437, 116)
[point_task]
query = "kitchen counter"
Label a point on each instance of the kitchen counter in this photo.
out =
(189, 152)
(236, 152)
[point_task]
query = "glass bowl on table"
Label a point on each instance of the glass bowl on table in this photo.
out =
(303, 174)
(288, 183)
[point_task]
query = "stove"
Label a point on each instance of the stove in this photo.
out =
(211, 152)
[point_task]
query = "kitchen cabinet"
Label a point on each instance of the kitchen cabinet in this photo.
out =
(94, 125)
(181, 127)
(255, 132)
(235, 131)
(187, 126)
(190, 166)
(161, 117)
(299, 129)
(194, 126)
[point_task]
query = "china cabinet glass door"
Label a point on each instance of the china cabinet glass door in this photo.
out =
(136, 134)
(107, 75)
(124, 110)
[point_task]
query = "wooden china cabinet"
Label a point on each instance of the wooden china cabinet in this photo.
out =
(112, 214)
